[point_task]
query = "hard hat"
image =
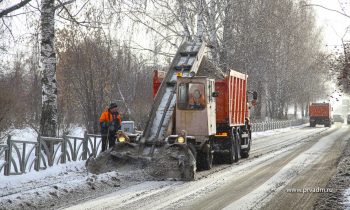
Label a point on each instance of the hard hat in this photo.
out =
(113, 105)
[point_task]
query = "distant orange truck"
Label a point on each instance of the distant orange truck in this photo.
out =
(321, 114)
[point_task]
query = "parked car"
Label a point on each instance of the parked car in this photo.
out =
(338, 118)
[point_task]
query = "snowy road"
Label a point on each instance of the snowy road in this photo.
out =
(297, 158)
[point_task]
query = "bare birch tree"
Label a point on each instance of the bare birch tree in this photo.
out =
(48, 123)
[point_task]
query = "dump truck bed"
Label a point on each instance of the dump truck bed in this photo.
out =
(232, 100)
(320, 110)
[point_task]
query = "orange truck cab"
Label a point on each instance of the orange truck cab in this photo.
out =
(320, 113)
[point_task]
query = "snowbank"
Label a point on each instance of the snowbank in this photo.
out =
(274, 132)
(42, 175)
(25, 134)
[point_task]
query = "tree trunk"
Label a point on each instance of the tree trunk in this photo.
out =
(183, 20)
(302, 110)
(200, 24)
(306, 110)
(48, 124)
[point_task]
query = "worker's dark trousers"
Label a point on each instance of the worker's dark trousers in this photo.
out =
(110, 139)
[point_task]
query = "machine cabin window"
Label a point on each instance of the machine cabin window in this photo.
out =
(191, 96)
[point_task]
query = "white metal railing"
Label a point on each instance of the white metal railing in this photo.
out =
(18, 157)
(276, 124)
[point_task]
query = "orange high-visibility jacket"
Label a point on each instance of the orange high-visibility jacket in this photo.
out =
(107, 117)
(199, 101)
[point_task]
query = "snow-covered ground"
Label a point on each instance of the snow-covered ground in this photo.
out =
(347, 198)
(61, 181)
(58, 180)
(276, 131)
(25, 134)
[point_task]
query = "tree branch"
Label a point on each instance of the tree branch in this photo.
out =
(8, 28)
(323, 7)
(62, 4)
(13, 8)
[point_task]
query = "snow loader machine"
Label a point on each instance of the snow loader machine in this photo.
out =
(198, 113)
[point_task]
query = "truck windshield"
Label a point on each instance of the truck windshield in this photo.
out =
(191, 96)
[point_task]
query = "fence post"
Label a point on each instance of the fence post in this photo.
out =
(85, 146)
(37, 154)
(8, 157)
(63, 149)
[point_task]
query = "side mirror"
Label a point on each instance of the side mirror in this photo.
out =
(255, 95)
(215, 94)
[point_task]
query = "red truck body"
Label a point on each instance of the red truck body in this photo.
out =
(320, 113)
(231, 104)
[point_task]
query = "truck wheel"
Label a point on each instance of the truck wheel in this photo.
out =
(312, 125)
(236, 146)
(245, 152)
(232, 156)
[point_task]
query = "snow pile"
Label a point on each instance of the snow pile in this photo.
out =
(25, 134)
(174, 162)
(275, 132)
(346, 202)
(29, 134)
(38, 176)
(57, 186)
(77, 131)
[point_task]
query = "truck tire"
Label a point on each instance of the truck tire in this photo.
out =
(245, 152)
(237, 147)
(312, 124)
(232, 156)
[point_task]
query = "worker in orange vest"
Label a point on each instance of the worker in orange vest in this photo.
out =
(110, 123)
(196, 100)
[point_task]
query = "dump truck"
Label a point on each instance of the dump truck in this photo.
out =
(320, 114)
(198, 112)
(212, 117)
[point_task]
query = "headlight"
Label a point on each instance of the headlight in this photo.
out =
(180, 140)
(121, 139)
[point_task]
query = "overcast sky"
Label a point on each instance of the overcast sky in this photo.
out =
(333, 23)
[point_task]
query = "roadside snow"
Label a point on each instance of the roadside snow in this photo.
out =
(25, 134)
(33, 176)
(276, 131)
(29, 134)
(347, 198)
(77, 131)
